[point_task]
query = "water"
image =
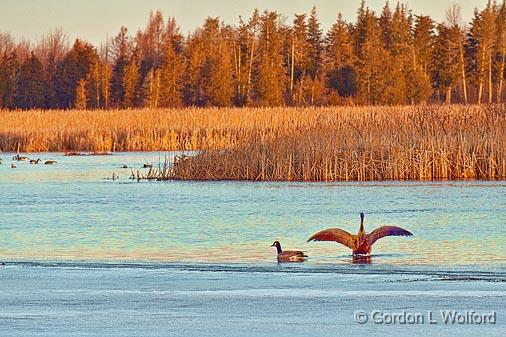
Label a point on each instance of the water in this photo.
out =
(91, 256)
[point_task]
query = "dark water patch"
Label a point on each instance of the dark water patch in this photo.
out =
(443, 274)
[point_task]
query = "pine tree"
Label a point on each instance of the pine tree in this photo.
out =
(446, 62)
(30, 85)
(482, 37)
(81, 98)
(75, 66)
(9, 68)
(270, 76)
(121, 50)
(374, 64)
(131, 85)
(151, 89)
(299, 57)
(171, 87)
(339, 62)
(500, 52)
(315, 53)
(424, 42)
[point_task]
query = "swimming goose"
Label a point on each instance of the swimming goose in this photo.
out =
(50, 162)
(288, 255)
(360, 244)
(18, 158)
(33, 161)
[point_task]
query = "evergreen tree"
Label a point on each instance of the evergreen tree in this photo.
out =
(500, 52)
(81, 95)
(339, 62)
(75, 66)
(270, 76)
(30, 84)
(121, 49)
(131, 85)
(482, 37)
(172, 69)
(9, 68)
(445, 60)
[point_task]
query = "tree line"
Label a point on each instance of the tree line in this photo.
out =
(394, 57)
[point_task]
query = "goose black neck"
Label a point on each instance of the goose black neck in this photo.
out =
(361, 222)
(278, 247)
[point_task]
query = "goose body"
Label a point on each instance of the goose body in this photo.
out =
(361, 243)
(18, 158)
(50, 162)
(33, 161)
(288, 255)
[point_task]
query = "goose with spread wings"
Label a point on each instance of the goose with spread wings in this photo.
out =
(360, 244)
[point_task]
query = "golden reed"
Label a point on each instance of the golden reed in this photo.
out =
(315, 144)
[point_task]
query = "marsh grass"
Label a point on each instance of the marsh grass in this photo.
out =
(312, 144)
(411, 143)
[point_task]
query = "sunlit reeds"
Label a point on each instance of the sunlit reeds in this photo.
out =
(320, 144)
(410, 143)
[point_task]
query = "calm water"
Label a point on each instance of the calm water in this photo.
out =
(183, 258)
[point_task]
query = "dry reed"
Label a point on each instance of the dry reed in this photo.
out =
(410, 143)
(320, 144)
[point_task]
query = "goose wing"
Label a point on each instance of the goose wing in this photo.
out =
(383, 231)
(293, 253)
(334, 234)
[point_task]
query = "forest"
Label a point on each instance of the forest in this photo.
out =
(394, 57)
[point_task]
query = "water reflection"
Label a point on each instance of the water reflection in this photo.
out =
(361, 259)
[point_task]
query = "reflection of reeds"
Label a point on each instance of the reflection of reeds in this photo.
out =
(416, 143)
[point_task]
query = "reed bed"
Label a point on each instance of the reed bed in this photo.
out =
(140, 129)
(410, 143)
(310, 144)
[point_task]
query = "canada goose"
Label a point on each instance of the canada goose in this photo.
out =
(13, 165)
(147, 166)
(33, 161)
(288, 255)
(124, 166)
(18, 158)
(50, 162)
(361, 244)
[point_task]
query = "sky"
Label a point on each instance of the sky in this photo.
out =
(95, 20)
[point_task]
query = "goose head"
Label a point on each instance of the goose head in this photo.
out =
(277, 245)
(361, 230)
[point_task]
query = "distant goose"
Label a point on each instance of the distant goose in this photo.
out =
(17, 157)
(147, 166)
(13, 165)
(33, 161)
(360, 244)
(50, 162)
(288, 255)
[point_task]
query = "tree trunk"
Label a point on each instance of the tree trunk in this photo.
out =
(463, 72)
(480, 85)
(248, 87)
(501, 78)
(448, 98)
(292, 69)
(490, 77)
